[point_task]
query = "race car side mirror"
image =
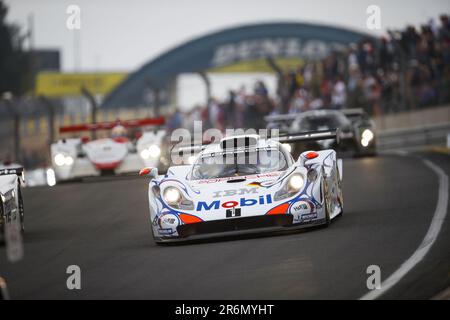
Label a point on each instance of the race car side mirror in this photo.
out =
(149, 172)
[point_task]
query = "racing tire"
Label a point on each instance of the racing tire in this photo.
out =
(2, 224)
(21, 211)
(2, 234)
(155, 239)
(326, 203)
(340, 193)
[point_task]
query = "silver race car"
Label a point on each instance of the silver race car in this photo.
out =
(246, 184)
(11, 201)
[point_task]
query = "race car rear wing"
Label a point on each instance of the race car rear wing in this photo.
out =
(281, 117)
(109, 125)
(285, 138)
(309, 136)
(356, 115)
(190, 148)
(9, 171)
(353, 112)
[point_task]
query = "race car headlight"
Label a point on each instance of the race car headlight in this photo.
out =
(292, 186)
(145, 154)
(68, 161)
(59, 159)
(153, 151)
(172, 195)
(62, 160)
(51, 179)
(295, 182)
(366, 136)
(175, 199)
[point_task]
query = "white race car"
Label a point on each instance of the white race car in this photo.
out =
(246, 184)
(11, 202)
(80, 157)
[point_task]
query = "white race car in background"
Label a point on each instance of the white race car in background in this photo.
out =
(78, 157)
(11, 201)
(259, 187)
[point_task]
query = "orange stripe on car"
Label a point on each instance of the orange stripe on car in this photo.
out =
(187, 218)
(281, 209)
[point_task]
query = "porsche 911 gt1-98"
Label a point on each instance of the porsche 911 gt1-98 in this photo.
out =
(246, 184)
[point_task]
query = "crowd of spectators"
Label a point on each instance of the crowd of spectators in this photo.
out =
(239, 110)
(408, 70)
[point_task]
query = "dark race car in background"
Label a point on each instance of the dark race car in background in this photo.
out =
(356, 130)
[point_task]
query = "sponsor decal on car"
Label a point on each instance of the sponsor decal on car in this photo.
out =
(254, 184)
(233, 212)
(168, 221)
(309, 216)
(259, 184)
(301, 207)
(234, 192)
(166, 231)
(303, 210)
(10, 171)
(255, 176)
(242, 202)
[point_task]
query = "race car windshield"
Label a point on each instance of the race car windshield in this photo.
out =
(323, 122)
(233, 164)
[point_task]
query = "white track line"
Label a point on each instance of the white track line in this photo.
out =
(427, 242)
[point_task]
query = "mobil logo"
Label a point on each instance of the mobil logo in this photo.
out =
(242, 202)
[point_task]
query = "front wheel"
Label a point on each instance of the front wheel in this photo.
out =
(156, 240)
(326, 202)
(340, 195)
(2, 232)
(21, 211)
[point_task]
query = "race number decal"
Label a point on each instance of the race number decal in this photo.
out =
(233, 212)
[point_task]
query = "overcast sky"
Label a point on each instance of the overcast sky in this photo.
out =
(122, 35)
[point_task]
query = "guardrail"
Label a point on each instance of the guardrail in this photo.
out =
(416, 137)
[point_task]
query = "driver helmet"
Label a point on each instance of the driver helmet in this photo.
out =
(118, 131)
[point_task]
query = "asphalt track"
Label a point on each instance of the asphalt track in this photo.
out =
(102, 226)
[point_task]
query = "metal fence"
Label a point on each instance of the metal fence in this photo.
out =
(416, 137)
